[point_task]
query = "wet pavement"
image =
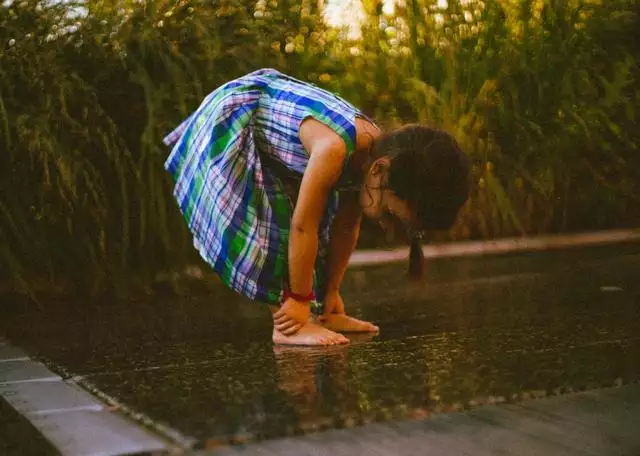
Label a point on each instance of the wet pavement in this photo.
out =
(476, 331)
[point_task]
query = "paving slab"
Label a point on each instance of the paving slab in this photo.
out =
(26, 370)
(491, 430)
(595, 409)
(513, 429)
(92, 336)
(475, 332)
(11, 353)
(94, 433)
(272, 394)
(47, 397)
(71, 420)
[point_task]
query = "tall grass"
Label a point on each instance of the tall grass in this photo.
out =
(543, 95)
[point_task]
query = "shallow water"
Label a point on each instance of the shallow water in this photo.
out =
(479, 330)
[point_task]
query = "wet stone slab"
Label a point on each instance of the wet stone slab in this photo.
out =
(281, 392)
(45, 397)
(525, 292)
(21, 371)
(94, 432)
(10, 353)
(557, 428)
(475, 332)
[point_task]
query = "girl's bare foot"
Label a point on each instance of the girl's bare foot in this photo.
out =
(310, 334)
(341, 322)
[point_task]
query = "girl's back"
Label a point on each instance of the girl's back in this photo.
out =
(228, 187)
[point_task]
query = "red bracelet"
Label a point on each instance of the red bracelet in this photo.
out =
(289, 294)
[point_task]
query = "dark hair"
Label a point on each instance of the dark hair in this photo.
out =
(431, 173)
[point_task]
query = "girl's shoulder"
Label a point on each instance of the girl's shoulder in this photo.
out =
(366, 133)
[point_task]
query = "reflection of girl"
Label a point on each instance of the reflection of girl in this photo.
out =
(234, 158)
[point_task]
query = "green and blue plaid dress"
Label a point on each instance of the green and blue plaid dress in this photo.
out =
(224, 161)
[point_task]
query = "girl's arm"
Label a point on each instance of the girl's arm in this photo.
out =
(327, 154)
(344, 236)
(346, 225)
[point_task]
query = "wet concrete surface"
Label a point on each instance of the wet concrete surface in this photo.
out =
(601, 422)
(475, 331)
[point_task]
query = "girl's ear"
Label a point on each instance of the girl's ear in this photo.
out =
(380, 166)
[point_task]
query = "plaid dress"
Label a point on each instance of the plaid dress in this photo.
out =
(227, 162)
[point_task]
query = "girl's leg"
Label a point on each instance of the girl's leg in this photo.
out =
(335, 318)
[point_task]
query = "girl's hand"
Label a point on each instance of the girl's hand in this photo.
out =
(333, 304)
(292, 316)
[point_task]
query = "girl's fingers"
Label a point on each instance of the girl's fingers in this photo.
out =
(285, 325)
(292, 330)
(281, 318)
(280, 313)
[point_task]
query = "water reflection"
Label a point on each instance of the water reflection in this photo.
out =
(315, 383)
(318, 382)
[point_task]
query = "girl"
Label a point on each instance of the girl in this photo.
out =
(273, 175)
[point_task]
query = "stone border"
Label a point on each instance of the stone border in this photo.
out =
(71, 419)
(593, 422)
(499, 246)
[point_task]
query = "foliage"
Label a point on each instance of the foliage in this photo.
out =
(542, 95)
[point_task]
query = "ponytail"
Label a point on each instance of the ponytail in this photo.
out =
(416, 258)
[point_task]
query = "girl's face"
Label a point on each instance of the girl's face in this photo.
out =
(380, 203)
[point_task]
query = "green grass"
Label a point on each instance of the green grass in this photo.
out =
(544, 100)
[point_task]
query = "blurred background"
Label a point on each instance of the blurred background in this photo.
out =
(543, 96)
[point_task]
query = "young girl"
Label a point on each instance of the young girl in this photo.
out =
(273, 175)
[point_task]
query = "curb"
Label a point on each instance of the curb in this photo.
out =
(72, 420)
(497, 247)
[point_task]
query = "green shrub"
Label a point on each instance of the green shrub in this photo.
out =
(543, 96)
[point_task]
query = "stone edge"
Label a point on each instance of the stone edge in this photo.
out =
(499, 246)
(155, 444)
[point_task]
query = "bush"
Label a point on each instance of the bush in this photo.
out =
(542, 95)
